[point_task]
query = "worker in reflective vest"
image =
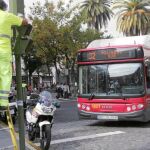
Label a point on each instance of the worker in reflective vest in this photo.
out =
(6, 21)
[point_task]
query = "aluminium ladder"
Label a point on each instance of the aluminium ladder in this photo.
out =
(11, 130)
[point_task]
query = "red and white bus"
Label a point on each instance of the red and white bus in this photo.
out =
(114, 79)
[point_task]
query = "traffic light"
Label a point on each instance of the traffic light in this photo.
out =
(21, 40)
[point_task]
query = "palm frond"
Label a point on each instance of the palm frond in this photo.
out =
(98, 12)
(134, 15)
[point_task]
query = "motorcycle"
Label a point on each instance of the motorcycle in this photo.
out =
(40, 119)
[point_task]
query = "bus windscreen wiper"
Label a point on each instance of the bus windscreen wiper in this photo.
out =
(121, 94)
(122, 97)
(91, 96)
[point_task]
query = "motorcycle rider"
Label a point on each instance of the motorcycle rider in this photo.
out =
(45, 100)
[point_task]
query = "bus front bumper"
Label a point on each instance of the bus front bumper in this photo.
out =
(131, 116)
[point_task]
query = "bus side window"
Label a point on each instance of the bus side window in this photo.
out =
(148, 82)
(148, 77)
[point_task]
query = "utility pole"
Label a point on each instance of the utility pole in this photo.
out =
(17, 6)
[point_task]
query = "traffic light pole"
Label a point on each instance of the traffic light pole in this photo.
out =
(14, 6)
(20, 103)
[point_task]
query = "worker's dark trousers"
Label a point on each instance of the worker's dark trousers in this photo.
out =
(5, 82)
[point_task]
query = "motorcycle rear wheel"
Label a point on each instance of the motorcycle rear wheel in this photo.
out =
(46, 137)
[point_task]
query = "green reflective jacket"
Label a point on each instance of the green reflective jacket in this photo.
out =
(6, 21)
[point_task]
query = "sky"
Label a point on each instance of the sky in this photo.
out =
(109, 30)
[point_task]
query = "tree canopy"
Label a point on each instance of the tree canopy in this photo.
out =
(97, 12)
(133, 16)
(57, 34)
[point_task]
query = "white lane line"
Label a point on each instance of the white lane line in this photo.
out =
(85, 137)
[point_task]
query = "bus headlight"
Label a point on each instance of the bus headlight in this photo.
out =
(140, 106)
(133, 107)
(87, 108)
(79, 105)
(83, 106)
(128, 108)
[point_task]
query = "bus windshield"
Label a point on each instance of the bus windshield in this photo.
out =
(126, 79)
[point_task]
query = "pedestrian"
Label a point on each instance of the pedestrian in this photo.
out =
(30, 88)
(61, 89)
(66, 90)
(58, 90)
(40, 87)
(6, 21)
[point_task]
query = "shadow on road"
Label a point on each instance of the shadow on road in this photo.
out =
(121, 124)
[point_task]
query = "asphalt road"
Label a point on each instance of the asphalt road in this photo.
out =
(70, 133)
(67, 112)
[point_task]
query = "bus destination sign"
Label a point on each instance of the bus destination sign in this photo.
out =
(110, 54)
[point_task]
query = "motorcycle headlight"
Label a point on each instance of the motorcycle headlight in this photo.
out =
(47, 109)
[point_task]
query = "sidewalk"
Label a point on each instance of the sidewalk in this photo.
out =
(65, 99)
(68, 99)
(5, 139)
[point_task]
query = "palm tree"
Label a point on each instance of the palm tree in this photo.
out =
(97, 12)
(133, 16)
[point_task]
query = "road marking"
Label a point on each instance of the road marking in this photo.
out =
(33, 146)
(84, 137)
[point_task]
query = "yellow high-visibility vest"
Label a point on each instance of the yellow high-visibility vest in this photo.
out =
(6, 21)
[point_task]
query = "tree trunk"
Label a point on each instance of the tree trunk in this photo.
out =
(49, 73)
(57, 73)
(67, 75)
(30, 80)
(38, 73)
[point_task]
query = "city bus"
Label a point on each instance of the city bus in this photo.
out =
(114, 79)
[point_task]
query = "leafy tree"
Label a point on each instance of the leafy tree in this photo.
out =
(97, 12)
(47, 20)
(133, 16)
(46, 39)
(57, 35)
(32, 63)
(74, 39)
